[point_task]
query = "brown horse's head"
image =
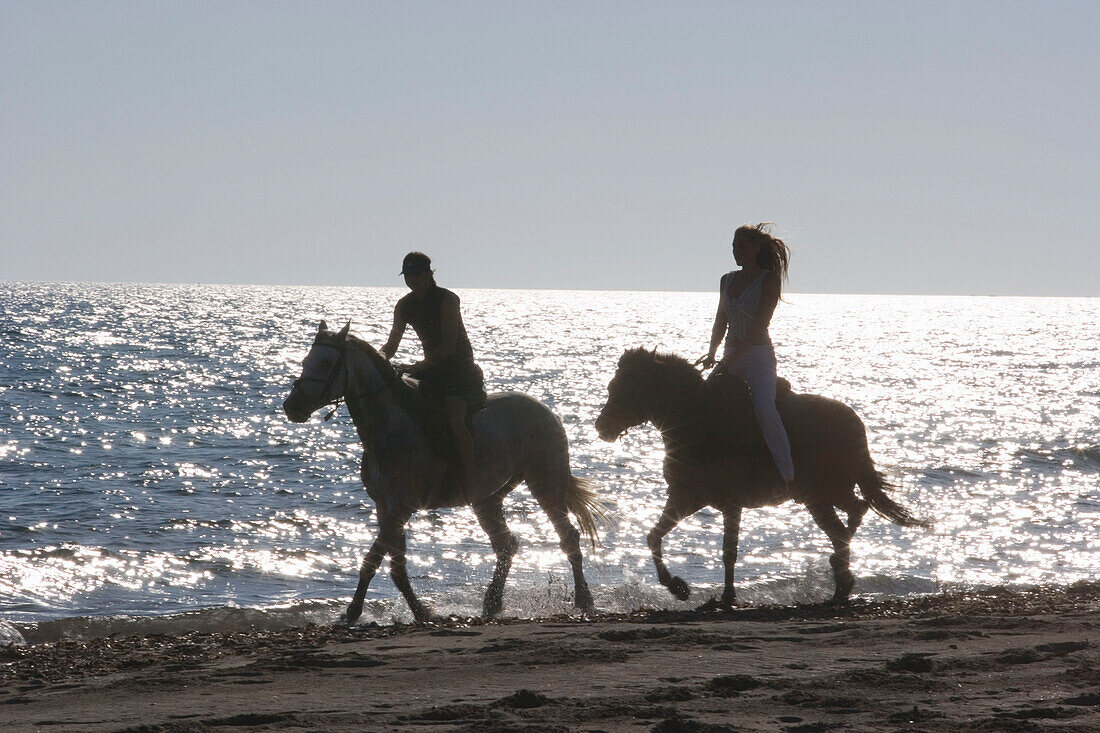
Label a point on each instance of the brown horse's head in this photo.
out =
(641, 388)
(626, 393)
(323, 377)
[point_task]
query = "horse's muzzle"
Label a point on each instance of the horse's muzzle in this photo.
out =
(295, 412)
(606, 432)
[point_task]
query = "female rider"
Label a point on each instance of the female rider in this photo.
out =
(746, 302)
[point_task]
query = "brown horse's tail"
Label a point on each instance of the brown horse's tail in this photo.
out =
(874, 486)
(590, 512)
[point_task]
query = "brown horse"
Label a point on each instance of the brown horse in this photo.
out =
(715, 456)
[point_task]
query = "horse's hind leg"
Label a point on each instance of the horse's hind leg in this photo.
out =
(826, 518)
(855, 508)
(551, 497)
(673, 512)
(490, 514)
(731, 529)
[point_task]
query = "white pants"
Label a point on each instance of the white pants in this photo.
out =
(757, 367)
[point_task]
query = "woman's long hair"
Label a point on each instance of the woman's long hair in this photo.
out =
(774, 254)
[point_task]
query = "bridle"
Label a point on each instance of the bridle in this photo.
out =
(627, 429)
(330, 380)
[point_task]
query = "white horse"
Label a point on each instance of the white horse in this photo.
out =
(406, 468)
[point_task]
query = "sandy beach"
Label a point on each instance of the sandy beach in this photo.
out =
(997, 660)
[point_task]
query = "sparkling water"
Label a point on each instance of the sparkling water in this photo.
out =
(149, 480)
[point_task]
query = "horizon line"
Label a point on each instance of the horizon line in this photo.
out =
(463, 287)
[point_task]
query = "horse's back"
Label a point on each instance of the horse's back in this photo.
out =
(828, 439)
(819, 428)
(820, 418)
(519, 425)
(515, 406)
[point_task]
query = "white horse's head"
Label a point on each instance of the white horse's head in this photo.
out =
(324, 374)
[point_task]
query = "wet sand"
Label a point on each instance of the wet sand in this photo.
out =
(1000, 660)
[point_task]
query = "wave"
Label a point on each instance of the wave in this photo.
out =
(1085, 457)
(552, 599)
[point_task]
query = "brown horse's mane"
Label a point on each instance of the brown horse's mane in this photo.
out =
(672, 367)
(712, 410)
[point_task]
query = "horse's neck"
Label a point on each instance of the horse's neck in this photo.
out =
(672, 409)
(373, 408)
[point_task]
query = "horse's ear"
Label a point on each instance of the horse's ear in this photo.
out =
(323, 326)
(343, 335)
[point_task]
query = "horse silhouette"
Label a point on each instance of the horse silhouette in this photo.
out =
(517, 439)
(715, 456)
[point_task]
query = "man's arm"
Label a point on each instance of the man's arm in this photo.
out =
(398, 330)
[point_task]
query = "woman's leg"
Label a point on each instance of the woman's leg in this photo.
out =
(757, 367)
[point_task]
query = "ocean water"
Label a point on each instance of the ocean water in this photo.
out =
(149, 481)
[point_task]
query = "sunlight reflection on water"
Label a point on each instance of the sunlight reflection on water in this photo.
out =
(147, 467)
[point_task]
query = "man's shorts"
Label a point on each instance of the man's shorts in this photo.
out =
(463, 379)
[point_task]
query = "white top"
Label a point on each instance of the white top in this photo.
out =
(741, 311)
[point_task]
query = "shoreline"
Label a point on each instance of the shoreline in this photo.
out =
(997, 659)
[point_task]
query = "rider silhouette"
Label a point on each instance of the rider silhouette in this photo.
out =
(449, 377)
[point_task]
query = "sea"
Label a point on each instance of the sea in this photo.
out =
(150, 482)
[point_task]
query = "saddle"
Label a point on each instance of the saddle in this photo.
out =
(731, 401)
(433, 420)
(729, 385)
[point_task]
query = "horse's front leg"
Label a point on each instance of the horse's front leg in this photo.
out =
(366, 574)
(731, 529)
(390, 528)
(675, 510)
(400, 576)
(490, 514)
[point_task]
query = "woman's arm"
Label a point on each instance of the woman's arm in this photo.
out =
(718, 330)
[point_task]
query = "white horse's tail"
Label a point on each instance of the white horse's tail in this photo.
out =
(590, 512)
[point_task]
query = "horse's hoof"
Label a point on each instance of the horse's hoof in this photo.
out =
(584, 602)
(491, 609)
(844, 585)
(355, 610)
(679, 588)
(724, 602)
(714, 604)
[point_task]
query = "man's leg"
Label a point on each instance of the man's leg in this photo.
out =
(456, 414)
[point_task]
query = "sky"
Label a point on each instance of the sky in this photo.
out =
(901, 147)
